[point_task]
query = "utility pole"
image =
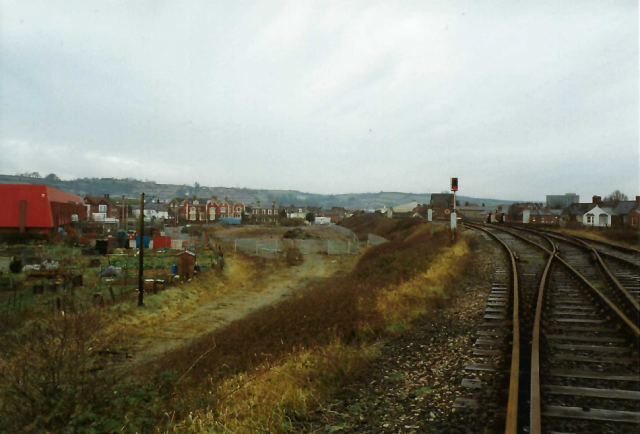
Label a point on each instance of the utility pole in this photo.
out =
(141, 263)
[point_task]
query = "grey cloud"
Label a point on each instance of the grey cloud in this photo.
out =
(517, 99)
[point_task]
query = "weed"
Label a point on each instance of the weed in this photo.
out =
(423, 391)
(397, 327)
(396, 376)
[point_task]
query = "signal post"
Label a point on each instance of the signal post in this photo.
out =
(454, 219)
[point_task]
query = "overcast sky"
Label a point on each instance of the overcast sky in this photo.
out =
(518, 99)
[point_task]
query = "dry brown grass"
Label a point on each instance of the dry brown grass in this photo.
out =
(626, 238)
(392, 229)
(297, 352)
(266, 399)
(275, 365)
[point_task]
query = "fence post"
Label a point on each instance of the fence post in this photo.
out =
(256, 247)
(328, 247)
(348, 247)
(235, 244)
(276, 246)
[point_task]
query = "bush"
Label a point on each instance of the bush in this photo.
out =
(297, 234)
(293, 255)
(287, 222)
(55, 372)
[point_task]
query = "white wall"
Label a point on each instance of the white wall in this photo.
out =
(322, 221)
(596, 217)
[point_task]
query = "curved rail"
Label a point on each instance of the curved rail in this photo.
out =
(536, 413)
(596, 254)
(511, 426)
(536, 400)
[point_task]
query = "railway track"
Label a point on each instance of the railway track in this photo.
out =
(617, 277)
(579, 370)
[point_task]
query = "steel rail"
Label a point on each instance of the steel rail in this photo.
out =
(535, 415)
(607, 272)
(630, 324)
(511, 425)
(585, 241)
(535, 422)
(535, 404)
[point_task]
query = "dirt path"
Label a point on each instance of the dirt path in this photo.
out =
(232, 303)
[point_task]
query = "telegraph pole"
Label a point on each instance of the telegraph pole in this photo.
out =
(141, 263)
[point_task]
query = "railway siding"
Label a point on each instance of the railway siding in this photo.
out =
(581, 372)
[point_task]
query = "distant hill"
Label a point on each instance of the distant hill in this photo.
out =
(133, 187)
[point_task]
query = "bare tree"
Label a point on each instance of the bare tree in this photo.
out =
(616, 196)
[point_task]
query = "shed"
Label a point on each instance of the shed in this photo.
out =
(161, 242)
(186, 264)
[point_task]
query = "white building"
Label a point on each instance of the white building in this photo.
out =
(158, 211)
(298, 213)
(322, 221)
(597, 216)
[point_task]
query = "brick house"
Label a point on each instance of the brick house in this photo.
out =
(101, 207)
(544, 216)
(633, 218)
(622, 210)
(198, 210)
(265, 214)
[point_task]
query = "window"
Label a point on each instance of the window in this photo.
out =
(223, 210)
(102, 208)
(269, 212)
(634, 221)
(192, 213)
(589, 218)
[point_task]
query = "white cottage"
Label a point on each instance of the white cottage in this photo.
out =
(597, 216)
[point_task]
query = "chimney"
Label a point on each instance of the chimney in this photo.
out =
(106, 195)
(596, 200)
(258, 204)
(637, 200)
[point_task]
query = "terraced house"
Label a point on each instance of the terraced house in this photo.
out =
(101, 207)
(265, 214)
(206, 210)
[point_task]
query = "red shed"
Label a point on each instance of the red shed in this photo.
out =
(37, 208)
(161, 242)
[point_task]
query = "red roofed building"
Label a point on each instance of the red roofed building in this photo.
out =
(37, 208)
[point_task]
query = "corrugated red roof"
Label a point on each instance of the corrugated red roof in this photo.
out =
(38, 198)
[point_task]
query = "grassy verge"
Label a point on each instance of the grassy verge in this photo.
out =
(259, 373)
(626, 238)
(274, 367)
